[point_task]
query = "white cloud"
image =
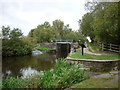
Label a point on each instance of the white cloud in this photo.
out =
(27, 15)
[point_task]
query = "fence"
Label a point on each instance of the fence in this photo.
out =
(109, 47)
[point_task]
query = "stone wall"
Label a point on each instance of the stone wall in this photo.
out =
(97, 66)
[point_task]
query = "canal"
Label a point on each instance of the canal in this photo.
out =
(24, 65)
(17, 66)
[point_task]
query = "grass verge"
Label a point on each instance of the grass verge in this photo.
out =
(42, 48)
(97, 83)
(78, 55)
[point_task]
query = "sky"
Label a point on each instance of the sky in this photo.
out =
(28, 14)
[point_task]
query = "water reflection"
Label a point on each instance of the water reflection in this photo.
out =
(23, 65)
(36, 52)
(27, 71)
(7, 73)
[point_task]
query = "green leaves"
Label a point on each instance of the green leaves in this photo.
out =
(14, 44)
(15, 33)
(101, 24)
(5, 32)
(63, 75)
(58, 31)
(11, 34)
(13, 83)
(85, 25)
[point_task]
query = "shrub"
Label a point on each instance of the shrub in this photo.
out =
(16, 47)
(13, 42)
(63, 75)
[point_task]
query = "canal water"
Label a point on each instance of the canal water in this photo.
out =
(17, 66)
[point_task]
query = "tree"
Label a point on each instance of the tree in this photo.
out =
(5, 32)
(43, 32)
(85, 25)
(101, 23)
(15, 33)
(58, 28)
(106, 23)
(15, 44)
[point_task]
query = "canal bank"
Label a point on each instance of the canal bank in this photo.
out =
(94, 66)
(103, 73)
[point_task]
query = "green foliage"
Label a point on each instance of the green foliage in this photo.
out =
(45, 32)
(5, 31)
(30, 81)
(15, 47)
(42, 33)
(15, 33)
(14, 44)
(85, 25)
(101, 23)
(58, 28)
(63, 75)
(33, 80)
(13, 83)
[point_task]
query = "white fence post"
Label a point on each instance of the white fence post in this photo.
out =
(119, 49)
(110, 47)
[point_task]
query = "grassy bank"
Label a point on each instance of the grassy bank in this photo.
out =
(78, 55)
(63, 75)
(111, 82)
(42, 48)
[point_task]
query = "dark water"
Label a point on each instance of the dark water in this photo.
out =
(24, 65)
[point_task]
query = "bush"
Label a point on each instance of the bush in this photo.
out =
(63, 75)
(16, 47)
(13, 42)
